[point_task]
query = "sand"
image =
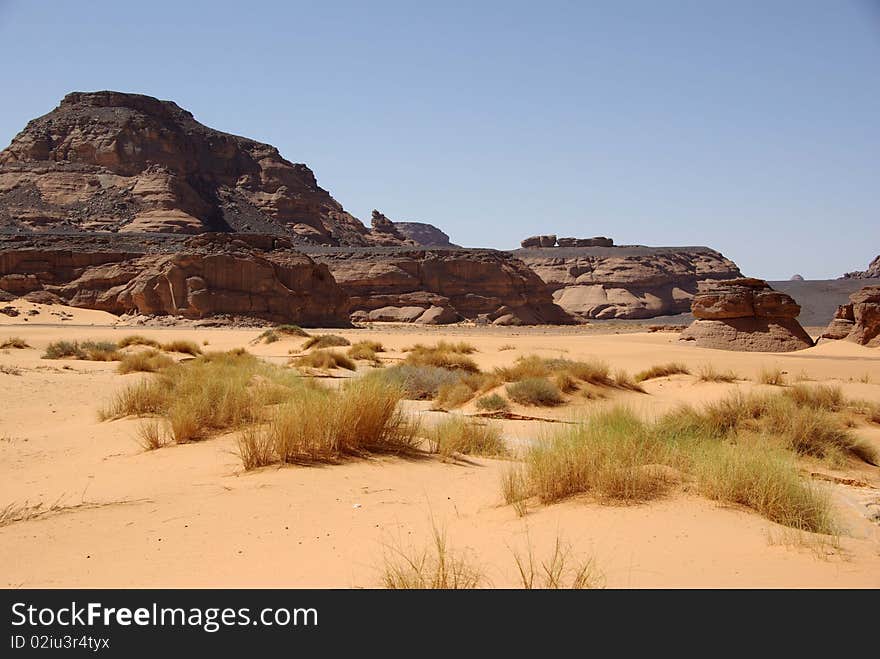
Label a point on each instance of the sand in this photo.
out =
(114, 515)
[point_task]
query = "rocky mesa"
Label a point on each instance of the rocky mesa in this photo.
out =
(625, 281)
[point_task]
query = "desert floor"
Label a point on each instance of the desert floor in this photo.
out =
(82, 504)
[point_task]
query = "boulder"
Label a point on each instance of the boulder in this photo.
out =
(859, 320)
(539, 241)
(745, 314)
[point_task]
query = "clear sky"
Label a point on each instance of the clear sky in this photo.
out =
(751, 126)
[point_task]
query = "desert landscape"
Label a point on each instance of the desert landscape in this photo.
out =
(213, 375)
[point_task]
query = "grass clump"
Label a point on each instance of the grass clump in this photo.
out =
(819, 397)
(466, 436)
(492, 403)
(366, 351)
(14, 342)
(772, 376)
(537, 391)
(292, 330)
(136, 340)
(146, 361)
(617, 456)
(662, 371)
(451, 356)
(436, 568)
(324, 425)
(559, 571)
(418, 382)
(325, 360)
(182, 346)
(269, 336)
(708, 373)
(98, 351)
(149, 435)
(325, 341)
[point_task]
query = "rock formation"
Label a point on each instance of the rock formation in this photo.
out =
(255, 275)
(873, 271)
(745, 314)
(859, 320)
(424, 235)
(796, 278)
(539, 241)
(626, 282)
(108, 161)
(440, 286)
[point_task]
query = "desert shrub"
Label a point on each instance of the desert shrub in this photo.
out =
(453, 395)
(366, 350)
(291, 330)
(137, 340)
(708, 373)
(149, 435)
(623, 380)
(566, 373)
(819, 397)
(185, 347)
(14, 342)
(506, 346)
(451, 356)
(325, 359)
(492, 403)
(662, 371)
(141, 398)
(418, 382)
(436, 568)
(566, 383)
(146, 361)
(772, 376)
(269, 336)
(325, 341)
(99, 351)
(466, 436)
(535, 391)
(319, 425)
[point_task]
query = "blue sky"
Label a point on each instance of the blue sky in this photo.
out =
(749, 126)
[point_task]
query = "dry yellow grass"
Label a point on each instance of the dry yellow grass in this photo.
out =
(451, 356)
(137, 340)
(324, 360)
(185, 347)
(435, 568)
(466, 436)
(708, 373)
(535, 391)
(772, 376)
(98, 351)
(662, 371)
(325, 341)
(560, 571)
(14, 342)
(366, 351)
(145, 361)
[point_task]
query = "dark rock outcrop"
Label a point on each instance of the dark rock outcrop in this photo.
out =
(745, 314)
(198, 277)
(626, 282)
(108, 161)
(424, 235)
(539, 241)
(859, 320)
(446, 285)
(873, 271)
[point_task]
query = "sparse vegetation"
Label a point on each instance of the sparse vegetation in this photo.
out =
(182, 346)
(366, 351)
(14, 342)
(506, 346)
(708, 373)
(535, 391)
(418, 382)
(9, 370)
(466, 436)
(560, 571)
(515, 488)
(451, 356)
(149, 435)
(772, 376)
(98, 351)
(324, 425)
(324, 360)
(137, 340)
(492, 403)
(662, 371)
(145, 361)
(437, 568)
(292, 330)
(269, 336)
(325, 341)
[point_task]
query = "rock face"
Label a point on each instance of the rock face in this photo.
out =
(424, 235)
(858, 321)
(745, 314)
(539, 241)
(198, 277)
(873, 271)
(440, 286)
(108, 161)
(626, 282)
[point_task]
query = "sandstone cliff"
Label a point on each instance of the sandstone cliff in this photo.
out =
(440, 286)
(108, 161)
(873, 271)
(745, 314)
(198, 277)
(626, 282)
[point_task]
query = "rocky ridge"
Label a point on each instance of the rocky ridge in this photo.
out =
(859, 320)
